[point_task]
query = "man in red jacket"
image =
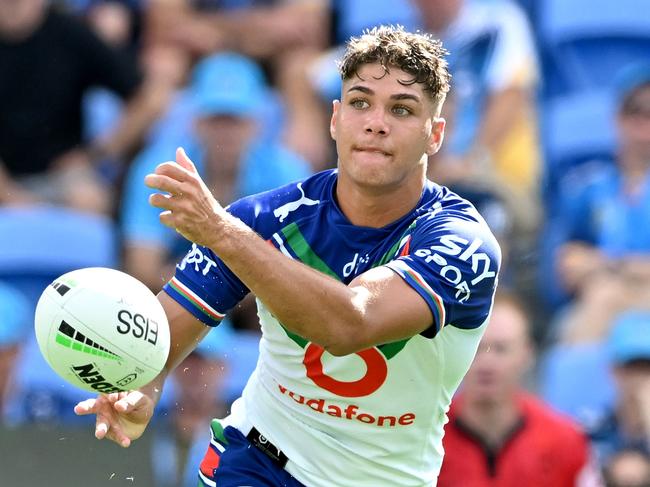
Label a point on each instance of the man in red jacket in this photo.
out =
(500, 436)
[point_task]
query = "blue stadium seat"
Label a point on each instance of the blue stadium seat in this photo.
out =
(38, 244)
(585, 41)
(576, 380)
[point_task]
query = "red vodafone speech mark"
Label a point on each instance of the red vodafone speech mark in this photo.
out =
(376, 373)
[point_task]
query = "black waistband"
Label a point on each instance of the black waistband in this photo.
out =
(268, 448)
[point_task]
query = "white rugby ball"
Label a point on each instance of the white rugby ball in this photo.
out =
(102, 330)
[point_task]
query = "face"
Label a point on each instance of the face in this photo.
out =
(502, 358)
(633, 381)
(384, 129)
(438, 14)
(634, 123)
(225, 138)
(20, 17)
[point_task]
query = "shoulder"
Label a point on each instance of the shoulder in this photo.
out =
(270, 165)
(552, 423)
(267, 211)
(454, 226)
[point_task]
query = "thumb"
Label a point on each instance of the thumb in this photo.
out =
(184, 161)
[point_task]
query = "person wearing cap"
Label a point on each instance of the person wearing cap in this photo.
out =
(604, 262)
(220, 121)
(627, 426)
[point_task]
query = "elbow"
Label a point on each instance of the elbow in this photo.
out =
(339, 350)
(347, 340)
(350, 331)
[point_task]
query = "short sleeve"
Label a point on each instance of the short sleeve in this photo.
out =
(204, 285)
(453, 264)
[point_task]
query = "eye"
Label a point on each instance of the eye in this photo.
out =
(359, 103)
(401, 110)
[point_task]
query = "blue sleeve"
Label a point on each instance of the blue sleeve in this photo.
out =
(453, 264)
(203, 284)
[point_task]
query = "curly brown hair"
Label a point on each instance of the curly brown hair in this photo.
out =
(416, 53)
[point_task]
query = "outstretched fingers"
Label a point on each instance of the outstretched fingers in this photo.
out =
(130, 402)
(164, 183)
(89, 406)
(184, 161)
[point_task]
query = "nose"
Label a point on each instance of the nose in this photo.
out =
(376, 122)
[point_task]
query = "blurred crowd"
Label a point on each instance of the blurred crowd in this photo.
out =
(548, 134)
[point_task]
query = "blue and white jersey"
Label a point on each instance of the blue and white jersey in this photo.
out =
(375, 417)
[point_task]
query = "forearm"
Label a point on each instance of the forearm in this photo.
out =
(138, 115)
(264, 31)
(185, 334)
(301, 298)
(635, 266)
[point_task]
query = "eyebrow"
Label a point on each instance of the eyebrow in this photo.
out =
(396, 96)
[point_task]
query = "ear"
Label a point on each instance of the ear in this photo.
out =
(437, 135)
(336, 104)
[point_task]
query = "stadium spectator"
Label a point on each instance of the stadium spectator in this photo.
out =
(360, 265)
(604, 262)
(279, 33)
(48, 60)
(219, 120)
(491, 114)
(497, 434)
(198, 396)
(627, 425)
(15, 313)
(628, 468)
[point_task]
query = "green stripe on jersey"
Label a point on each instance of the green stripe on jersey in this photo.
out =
(296, 241)
(217, 431)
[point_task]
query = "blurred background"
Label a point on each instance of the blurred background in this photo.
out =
(548, 135)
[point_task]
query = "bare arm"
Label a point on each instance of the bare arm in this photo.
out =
(260, 32)
(10, 191)
(377, 307)
(139, 113)
(148, 263)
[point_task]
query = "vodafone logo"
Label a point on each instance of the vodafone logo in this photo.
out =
(376, 373)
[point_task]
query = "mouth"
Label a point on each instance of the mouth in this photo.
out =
(372, 150)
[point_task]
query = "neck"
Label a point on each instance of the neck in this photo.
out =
(491, 420)
(634, 168)
(376, 207)
(221, 181)
(630, 420)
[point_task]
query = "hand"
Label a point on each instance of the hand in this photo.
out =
(120, 417)
(577, 263)
(189, 206)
